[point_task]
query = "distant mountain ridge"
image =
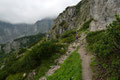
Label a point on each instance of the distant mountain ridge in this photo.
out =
(19, 43)
(9, 31)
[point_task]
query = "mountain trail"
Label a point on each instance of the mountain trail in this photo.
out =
(86, 60)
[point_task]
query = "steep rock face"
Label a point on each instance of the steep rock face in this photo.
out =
(62, 22)
(101, 11)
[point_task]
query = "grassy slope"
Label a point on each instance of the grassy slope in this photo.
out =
(70, 70)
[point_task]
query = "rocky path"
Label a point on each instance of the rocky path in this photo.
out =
(86, 59)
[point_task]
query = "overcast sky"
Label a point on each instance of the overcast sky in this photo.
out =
(29, 11)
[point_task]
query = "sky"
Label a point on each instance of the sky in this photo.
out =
(29, 11)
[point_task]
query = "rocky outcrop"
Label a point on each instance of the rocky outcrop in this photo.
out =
(101, 11)
(62, 22)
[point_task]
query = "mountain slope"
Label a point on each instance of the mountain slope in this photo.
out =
(37, 58)
(100, 11)
(19, 45)
(10, 31)
(94, 15)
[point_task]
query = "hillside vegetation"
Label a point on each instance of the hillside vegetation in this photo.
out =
(39, 55)
(106, 46)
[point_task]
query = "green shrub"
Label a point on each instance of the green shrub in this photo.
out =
(62, 23)
(86, 25)
(68, 36)
(31, 59)
(21, 50)
(93, 37)
(3, 75)
(45, 66)
(68, 33)
(68, 39)
(18, 76)
(106, 45)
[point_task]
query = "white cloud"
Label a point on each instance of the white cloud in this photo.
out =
(29, 11)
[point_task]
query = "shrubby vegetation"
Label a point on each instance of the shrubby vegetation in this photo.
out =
(71, 69)
(106, 45)
(21, 50)
(31, 59)
(86, 25)
(18, 76)
(64, 24)
(68, 36)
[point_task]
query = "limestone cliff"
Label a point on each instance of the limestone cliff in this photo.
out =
(101, 11)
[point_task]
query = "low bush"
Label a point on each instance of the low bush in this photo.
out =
(93, 37)
(68, 39)
(34, 57)
(18, 76)
(68, 36)
(31, 59)
(86, 25)
(21, 50)
(106, 45)
(62, 23)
